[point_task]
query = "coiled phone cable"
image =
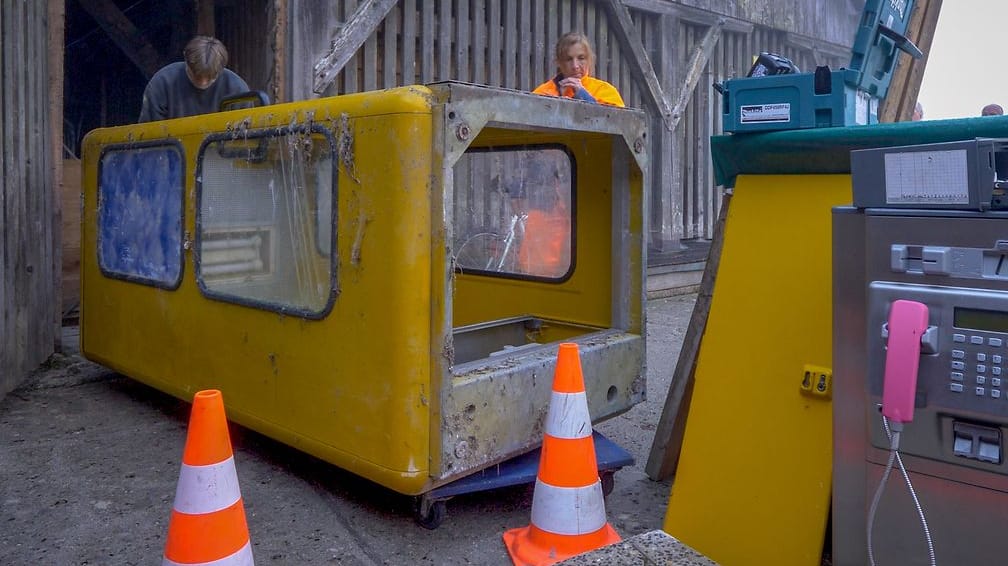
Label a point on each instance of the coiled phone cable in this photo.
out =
(894, 457)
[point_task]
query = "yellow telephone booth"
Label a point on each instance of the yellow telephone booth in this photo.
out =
(378, 279)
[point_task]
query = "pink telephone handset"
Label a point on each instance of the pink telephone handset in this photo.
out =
(908, 320)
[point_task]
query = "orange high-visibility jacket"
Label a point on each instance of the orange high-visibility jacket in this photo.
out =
(545, 247)
(601, 91)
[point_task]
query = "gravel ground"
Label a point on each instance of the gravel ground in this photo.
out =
(89, 462)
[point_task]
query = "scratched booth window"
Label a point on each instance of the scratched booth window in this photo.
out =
(266, 225)
(140, 214)
(513, 212)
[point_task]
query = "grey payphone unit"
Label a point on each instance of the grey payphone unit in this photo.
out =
(925, 230)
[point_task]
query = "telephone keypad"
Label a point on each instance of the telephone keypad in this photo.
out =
(986, 367)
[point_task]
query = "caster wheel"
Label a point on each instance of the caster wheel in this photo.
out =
(608, 482)
(429, 514)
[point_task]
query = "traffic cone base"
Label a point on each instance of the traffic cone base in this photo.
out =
(568, 507)
(207, 524)
(532, 546)
(241, 558)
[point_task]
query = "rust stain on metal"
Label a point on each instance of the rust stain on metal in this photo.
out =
(345, 147)
(355, 250)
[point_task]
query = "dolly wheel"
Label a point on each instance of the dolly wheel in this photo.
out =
(427, 513)
(608, 481)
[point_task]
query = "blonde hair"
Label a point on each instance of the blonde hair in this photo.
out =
(573, 38)
(205, 56)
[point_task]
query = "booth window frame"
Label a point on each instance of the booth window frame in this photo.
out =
(257, 153)
(173, 266)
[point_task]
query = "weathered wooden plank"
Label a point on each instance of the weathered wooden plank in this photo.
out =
(640, 63)
(552, 33)
(348, 39)
(426, 54)
(698, 61)
(525, 62)
(390, 49)
(577, 16)
(206, 23)
(463, 29)
(689, 133)
(509, 25)
(28, 292)
(904, 87)
(664, 455)
(409, 42)
(564, 21)
(9, 370)
(17, 212)
(54, 151)
(542, 60)
(602, 48)
(125, 35)
(479, 54)
(347, 77)
(494, 43)
(691, 14)
(444, 41)
(666, 201)
(277, 88)
(368, 60)
(591, 19)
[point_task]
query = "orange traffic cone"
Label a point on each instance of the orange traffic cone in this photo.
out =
(207, 524)
(568, 508)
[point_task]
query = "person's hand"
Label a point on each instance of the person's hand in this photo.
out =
(573, 83)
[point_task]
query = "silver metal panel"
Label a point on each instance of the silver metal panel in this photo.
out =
(965, 500)
(496, 409)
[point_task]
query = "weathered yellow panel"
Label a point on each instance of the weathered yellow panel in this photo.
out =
(754, 476)
(284, 374)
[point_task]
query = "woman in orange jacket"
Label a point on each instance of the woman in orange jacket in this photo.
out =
(575, 63)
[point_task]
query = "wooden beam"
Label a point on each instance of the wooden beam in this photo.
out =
(348, 40)
(640, 67)
(56, 42)
(281, 27)
(904, 88)
(667, 443)
(690, 14)
(206, 22)
(124, 34)
(699, 60)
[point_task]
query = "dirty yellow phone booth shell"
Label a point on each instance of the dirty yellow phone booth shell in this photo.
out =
(351, 273)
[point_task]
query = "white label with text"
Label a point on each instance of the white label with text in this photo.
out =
(763, 113)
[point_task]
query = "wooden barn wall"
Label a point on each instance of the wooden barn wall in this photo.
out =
(508, 43)
(830, 21)
(28, 288)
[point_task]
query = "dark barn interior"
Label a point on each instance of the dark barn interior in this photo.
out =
(112, 48)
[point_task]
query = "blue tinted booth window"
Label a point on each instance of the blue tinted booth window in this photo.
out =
(140, 214)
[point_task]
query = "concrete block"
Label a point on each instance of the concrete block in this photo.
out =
(653, 548)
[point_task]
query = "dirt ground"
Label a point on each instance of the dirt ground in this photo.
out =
(89, 462)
